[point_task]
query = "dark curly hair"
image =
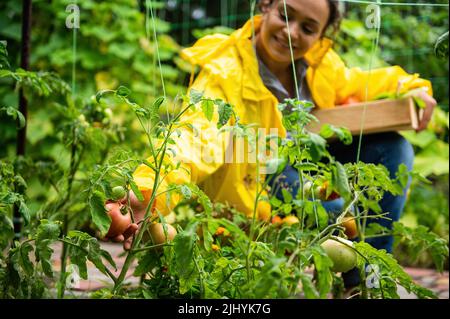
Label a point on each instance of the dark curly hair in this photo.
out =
(334, 21)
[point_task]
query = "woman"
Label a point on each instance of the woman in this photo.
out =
(254, 78)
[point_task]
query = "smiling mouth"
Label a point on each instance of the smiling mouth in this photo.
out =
(284, 44)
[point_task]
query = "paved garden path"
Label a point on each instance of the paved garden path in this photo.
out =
(429, 278)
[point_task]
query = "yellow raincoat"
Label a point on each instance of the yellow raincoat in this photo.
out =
(229, 71)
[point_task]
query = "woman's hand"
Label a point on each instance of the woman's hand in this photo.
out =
(427, 112)
(122, 228)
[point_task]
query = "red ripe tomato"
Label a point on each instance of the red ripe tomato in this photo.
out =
(320, 193)
(333, 196)
(351, 100)
(119, 221)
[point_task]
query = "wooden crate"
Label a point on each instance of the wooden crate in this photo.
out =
(381, 116)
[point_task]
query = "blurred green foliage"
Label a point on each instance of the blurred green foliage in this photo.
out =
(114, 44)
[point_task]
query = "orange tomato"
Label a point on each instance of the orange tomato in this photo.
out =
(277, 220)
(350, 100)
(264, 210)
(291, 220)
(222, 231)
(351, 230)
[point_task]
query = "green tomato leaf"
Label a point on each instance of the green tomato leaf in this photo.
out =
(323, 266)
(6, 230)
(4, 64)
(195, 96)
(208, 109)
(136, 191)
(147, 262)
(441, 46)
(311, 167)
(344, 135)
(386, 274)
(186, 191)
(48, 230)
(287, 196)
(184, 257)
(317, 146)
(403, 175)
(154, 110)
(98, 212)
(47, 233)
(16, 115)
(340, 181)
(225, 112)
(123, 91)
(419, 239)
(309, 289)
(25, 212)
(95, 254)
(25, 262)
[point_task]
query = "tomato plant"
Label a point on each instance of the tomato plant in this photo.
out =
(77, 185)
(214, 251)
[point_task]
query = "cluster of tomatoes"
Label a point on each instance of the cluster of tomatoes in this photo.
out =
(319, 192)
(339, 250)
(120, 216)
(348, 222)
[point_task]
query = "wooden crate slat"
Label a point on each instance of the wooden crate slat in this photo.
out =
(380, 116)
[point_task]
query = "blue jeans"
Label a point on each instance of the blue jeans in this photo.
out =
(389, 149)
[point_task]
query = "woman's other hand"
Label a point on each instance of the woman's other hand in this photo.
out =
(427, 112)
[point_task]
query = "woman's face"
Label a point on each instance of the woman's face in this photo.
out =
(307, 21)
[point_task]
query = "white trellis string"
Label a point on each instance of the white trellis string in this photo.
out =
(157, 46)
(291, 51)
(147, 35)
(375, 44)
(252, 19)
(392, 4)
(74, 58)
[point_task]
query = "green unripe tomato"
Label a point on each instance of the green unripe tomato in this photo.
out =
(344, 258)
(307, 187)
(276, 165)
(118, 192)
